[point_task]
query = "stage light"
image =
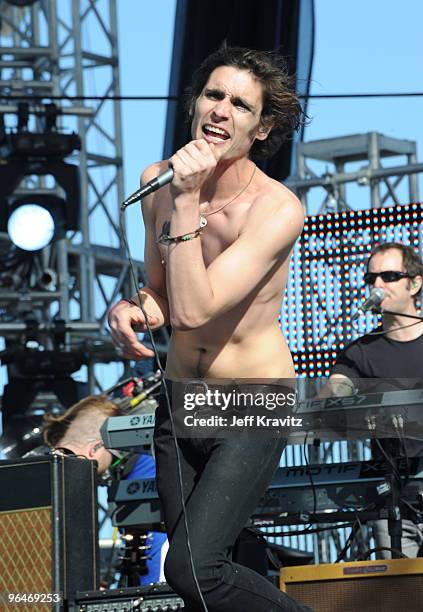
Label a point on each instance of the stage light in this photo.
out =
(21, 226)
(27, 154)
(47, 145)
(36, 221)
(63, 211)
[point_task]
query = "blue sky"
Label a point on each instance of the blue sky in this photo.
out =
(367, 47)
(361, 46)
(145, 52)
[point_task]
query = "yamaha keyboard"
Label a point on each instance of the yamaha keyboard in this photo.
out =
(321, 491)
(133, 432)
(389, 414)
(136, 502)
(387, 399)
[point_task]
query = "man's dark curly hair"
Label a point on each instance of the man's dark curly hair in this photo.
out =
(281, 108)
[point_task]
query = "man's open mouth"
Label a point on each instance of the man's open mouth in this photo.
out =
(215, 132)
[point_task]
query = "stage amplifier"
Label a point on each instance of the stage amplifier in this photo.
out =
(379, 586)
(48, 526)
(156, 597)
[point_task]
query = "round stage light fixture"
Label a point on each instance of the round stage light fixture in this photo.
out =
(31, 227)
(36, 220)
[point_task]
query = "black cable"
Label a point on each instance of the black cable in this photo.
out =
(403, 443)
(401, 314)
(384, 332)
(389, 460)
(304, 451)
(354, 530)
(11, 98)
(370, 551)
(282, 534)
(416, 512)
(169, 408)
(408, 94)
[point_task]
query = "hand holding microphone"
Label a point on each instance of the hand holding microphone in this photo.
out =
(197, 150)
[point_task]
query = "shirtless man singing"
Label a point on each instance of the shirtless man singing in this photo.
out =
(218, 245)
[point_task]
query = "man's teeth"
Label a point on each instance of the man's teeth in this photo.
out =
(216, 130)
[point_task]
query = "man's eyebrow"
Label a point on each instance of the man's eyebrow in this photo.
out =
(235, 100)
(239, 100)
(214, 90)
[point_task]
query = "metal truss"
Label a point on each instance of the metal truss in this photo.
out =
(50, 50)
(336, 153)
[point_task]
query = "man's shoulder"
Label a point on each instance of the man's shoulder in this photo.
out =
(272, 190)
(152, 203)
(275, 202)
(153, 170)
(369, 339)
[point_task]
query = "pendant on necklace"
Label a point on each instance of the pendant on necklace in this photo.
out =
(203, 221)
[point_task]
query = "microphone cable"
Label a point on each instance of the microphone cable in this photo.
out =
(169, 408)
(306, 458)
(383, 332)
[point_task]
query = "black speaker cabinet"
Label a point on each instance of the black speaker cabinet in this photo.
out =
(48, 526)
(357, 586)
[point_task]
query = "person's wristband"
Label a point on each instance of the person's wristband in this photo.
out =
(166, 239)
(130, 301)
(127, 300)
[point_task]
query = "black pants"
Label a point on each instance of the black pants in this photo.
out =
(223, 478)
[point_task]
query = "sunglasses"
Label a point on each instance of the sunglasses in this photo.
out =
(388, 276)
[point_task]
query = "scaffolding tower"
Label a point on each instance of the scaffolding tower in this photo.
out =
(67, 53)
(370, 149)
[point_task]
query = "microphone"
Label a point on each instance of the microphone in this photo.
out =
(163, 179)
(375, 298)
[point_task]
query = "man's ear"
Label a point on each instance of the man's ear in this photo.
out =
(416, 284)
(93, 448)
(263, 131)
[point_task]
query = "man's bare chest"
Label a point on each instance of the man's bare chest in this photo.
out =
(219, 234)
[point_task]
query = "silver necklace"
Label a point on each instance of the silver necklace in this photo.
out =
(203, 220)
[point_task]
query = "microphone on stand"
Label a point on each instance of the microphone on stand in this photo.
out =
(375, 299)
(163, 179)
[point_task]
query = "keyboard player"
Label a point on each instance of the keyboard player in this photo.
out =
(392, 356)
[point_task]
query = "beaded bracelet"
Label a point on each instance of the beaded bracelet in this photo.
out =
(166, 239)
(132, 302)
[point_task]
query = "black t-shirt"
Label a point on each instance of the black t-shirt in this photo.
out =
(376, 356)
(391, 365)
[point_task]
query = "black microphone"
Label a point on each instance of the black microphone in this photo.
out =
(163, 179)
(375, 299)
